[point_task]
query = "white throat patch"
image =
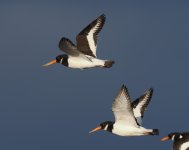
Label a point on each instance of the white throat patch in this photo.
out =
(173, 137)
(61, 60)
(106, 127)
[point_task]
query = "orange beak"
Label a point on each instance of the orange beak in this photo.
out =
(96, 129)
(165, 138)
(50, 63)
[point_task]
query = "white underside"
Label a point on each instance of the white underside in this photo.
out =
(184, 146)
(124, 130)
(84, 62)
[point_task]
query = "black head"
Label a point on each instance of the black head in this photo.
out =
(62, 59)
(107, 125)
(171, 136)
(176, 136)
(179, 136)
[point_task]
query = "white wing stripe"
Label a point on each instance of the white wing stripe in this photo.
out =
(91, 41)
(90, 38)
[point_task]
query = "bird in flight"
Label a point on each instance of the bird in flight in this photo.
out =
(83, 55)
(128, 116)
(180, 140)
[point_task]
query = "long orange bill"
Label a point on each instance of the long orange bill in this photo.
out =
(165, 138)
(50, 63)
(96, 129)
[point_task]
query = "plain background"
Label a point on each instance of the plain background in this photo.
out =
(55, 108)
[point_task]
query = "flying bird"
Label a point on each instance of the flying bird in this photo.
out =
(128, 116)
(83, 55)
(180, 140)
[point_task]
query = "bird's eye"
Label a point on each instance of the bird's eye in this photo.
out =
(180, 137)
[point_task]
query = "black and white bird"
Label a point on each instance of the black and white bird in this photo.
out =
(128, 116)
(83, 55)
(180, 140)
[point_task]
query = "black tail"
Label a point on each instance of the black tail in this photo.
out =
(108, 63)
(155, 132)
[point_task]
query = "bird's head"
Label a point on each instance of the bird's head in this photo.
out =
(62, 59)
(107, 125)
(173, 136)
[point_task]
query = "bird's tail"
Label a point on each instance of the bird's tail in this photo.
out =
(108, 63)
(154, 132)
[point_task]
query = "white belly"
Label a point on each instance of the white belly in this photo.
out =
(84, 62)
(124, 130)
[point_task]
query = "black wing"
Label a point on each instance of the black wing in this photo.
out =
(68, 47)
(140, 104)
(87, 38)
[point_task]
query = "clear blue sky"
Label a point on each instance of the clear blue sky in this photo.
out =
(55, 107)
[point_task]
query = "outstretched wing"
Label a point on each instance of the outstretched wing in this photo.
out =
(68, 47)
(140, 104)
(87, 38)
(122, 109)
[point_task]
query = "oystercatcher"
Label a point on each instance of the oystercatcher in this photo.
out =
(128, 115)
(83, 55)
(180, 140)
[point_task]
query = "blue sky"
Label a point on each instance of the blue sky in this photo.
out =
(55, 107)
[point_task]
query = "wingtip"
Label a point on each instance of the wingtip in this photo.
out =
(63, 39)
(123, 86)
(151, 90)
(103, 16)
